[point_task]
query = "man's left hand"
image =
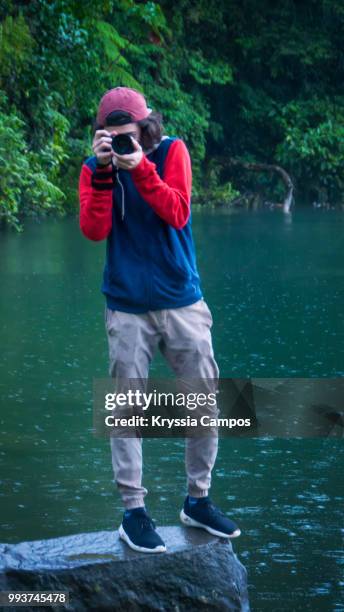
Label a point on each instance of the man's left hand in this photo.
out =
(130, 161)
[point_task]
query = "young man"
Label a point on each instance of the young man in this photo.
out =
(140, 203)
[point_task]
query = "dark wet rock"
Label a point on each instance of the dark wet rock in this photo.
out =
(198, 572)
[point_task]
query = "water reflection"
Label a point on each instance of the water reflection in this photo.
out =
(276, 292)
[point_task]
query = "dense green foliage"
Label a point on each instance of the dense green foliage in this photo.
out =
(256, 81)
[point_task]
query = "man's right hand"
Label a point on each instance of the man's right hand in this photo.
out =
(102, 147)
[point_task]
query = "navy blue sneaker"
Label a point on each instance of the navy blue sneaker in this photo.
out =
(202, 513)
(138, 531)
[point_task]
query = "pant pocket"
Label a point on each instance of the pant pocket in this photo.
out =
(108, 317)
(202, 308)
(208, 312)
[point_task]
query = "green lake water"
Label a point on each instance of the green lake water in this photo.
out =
(275, 286)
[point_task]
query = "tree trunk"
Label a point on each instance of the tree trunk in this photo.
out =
(257, 167)
(270, 168)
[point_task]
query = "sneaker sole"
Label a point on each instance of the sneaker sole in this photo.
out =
(124, 536)
(190, 522)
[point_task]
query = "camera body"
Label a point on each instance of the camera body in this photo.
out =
(122, 144)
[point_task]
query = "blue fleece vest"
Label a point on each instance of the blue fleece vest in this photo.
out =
(149, 264)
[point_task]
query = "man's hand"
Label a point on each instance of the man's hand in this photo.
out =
(130, 161)
(102, 147)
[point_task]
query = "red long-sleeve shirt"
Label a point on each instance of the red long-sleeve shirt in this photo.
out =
(169, 198)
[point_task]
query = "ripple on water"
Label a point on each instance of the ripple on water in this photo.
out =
(283, 558)
(248, 510)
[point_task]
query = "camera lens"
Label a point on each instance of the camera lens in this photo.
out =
(122, 144)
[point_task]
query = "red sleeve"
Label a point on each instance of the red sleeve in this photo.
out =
(95, 195)
(169, 198)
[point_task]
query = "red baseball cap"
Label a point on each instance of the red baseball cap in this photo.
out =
(123, 99)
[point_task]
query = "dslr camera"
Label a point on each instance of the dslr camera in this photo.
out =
(122, 144)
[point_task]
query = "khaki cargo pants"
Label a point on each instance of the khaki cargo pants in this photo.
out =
(183, 335)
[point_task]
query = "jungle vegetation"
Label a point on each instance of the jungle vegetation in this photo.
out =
(254, 82)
